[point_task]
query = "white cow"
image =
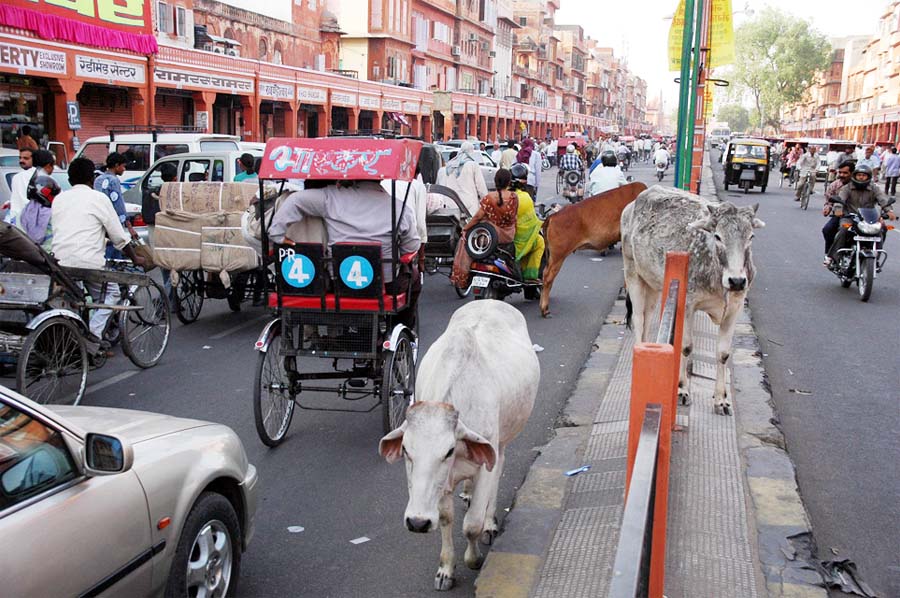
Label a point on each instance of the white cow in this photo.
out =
(475, 389)
(718, 238)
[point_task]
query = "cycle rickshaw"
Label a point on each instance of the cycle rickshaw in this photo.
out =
(330, 300)
(44, 316)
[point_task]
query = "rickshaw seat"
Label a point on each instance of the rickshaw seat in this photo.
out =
(347, 303)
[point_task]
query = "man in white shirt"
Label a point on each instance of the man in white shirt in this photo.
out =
(607, 176)
(661, 156)
(496, 153)
(82, 219)
(19, 185)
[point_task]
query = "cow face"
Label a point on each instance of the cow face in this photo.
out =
(730, 230)
(431, 440)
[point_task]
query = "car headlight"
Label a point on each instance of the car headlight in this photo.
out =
(736, 166)
(869, 229)
(761, 168)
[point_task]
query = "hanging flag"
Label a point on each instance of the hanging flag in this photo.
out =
(676, 32)
(721, 34)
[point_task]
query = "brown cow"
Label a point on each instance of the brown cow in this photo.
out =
(589, 224)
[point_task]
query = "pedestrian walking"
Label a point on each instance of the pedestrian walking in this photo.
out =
(891, 171)
(25, 140)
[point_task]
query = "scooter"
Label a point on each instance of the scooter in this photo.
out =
(573, 186)
(862, 261)
(495, 271)
(661, 170)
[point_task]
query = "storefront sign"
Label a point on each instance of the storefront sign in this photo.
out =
(369, 102)
(74, 114)
(312, 95)
(426, 109)
(181, 79)
(110, 70)
(389, 104)
(471, 108)
(276, 91)
(343, 99)
(411, 107)
(459, 107)
(26, 58)
(488, 110)
(129, 15)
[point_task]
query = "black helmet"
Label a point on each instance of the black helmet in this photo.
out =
(519, 172)
(43, 189)
(862, 176)
(608, 158)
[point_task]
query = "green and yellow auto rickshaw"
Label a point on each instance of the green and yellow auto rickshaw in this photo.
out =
(747, 164)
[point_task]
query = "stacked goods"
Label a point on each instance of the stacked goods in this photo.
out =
(199, 227)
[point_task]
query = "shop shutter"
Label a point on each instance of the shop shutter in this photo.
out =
(173, 111)
(103, 108)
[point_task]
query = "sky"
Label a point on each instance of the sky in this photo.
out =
(638, 29)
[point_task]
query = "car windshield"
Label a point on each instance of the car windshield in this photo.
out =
(11, 160)
(750, 151)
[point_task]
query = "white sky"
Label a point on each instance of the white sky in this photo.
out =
(637, 29)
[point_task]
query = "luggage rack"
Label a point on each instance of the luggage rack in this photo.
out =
(154, 130)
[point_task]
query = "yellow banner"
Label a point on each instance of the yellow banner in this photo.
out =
(721, 34)
(708, 100)
(676, 32)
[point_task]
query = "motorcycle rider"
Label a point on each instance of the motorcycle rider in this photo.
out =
(842, 177)
(608, 176)
(806, 167)
(661, 156)
(529, 242)
(571, 160)
(860, 193)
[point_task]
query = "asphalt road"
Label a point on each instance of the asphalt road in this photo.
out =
(327, 476)
(843, 427)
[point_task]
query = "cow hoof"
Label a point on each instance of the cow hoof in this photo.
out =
(723, 408)
(684, 397)
(475, 562)
(443, 581)
(466, 498)
(490, 532)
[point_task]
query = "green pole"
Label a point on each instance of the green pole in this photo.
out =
(684, 87)
(688, 143)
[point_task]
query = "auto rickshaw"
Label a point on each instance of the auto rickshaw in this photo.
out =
(747, 164)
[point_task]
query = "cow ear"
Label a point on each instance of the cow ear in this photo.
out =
(704, 224)
(481, 452)
(391, 445)
(757, 223)
(751, 211)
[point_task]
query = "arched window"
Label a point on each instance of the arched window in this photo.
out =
(278, 52)
(263, 48)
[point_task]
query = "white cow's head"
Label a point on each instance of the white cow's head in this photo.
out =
(731, 232)
(430, 440)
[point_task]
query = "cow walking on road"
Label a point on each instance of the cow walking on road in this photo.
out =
(590, 224)
(718, 239)
(475, 390)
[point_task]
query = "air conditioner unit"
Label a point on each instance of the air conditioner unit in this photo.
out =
(473, 37)
(218, 50)
(208, 48)
(232, 52)
(485, 46)
(492, 54)
(456, 51)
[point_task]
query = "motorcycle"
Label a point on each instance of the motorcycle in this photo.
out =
(573, 186)
(660, 170)
(495, 271)
(861, 261)
(545, 163)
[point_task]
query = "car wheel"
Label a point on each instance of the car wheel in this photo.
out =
(207, 561)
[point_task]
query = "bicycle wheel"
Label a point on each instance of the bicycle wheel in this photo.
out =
(53, 364)
(145, 333)
(273, 405)
(398, 384)
(189, 296)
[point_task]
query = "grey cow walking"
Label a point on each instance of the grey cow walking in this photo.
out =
(718, 238)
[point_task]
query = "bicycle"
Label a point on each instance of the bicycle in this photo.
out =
(807, 182)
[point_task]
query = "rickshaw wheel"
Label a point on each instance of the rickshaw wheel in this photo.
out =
(189, 296)
(273, 405)
(53, 365)
(398, 384)
(145, 333)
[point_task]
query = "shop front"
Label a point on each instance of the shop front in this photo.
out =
(344, 112)
(276, 110)
(312, 119)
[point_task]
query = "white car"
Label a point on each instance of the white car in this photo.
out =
(118, 502)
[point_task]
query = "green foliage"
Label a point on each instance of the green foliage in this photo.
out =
(737, 117)
(778, 58)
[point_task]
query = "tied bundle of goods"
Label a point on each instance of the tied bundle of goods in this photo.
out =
(199, 228)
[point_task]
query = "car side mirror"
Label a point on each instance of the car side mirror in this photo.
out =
(107, 455)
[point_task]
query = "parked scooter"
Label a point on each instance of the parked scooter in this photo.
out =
(862, 260)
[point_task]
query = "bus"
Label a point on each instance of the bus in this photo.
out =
(719, 133)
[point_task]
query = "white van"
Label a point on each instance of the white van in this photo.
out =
(143, 149)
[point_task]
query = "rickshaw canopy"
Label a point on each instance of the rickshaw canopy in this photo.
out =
(339, 158)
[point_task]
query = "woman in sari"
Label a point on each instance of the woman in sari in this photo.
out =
(528, 240)
(500, 208)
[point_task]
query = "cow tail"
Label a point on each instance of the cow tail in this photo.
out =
(545, 229)
(629, 310)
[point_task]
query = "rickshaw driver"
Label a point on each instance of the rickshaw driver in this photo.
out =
(358, 212)
(82, 219)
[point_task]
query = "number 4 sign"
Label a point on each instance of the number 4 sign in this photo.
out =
(298, 271)
(356, 272)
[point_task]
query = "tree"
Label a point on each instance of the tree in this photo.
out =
(735, 115)
(778, 59)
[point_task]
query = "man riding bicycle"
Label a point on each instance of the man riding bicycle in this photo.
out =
(806, 167)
